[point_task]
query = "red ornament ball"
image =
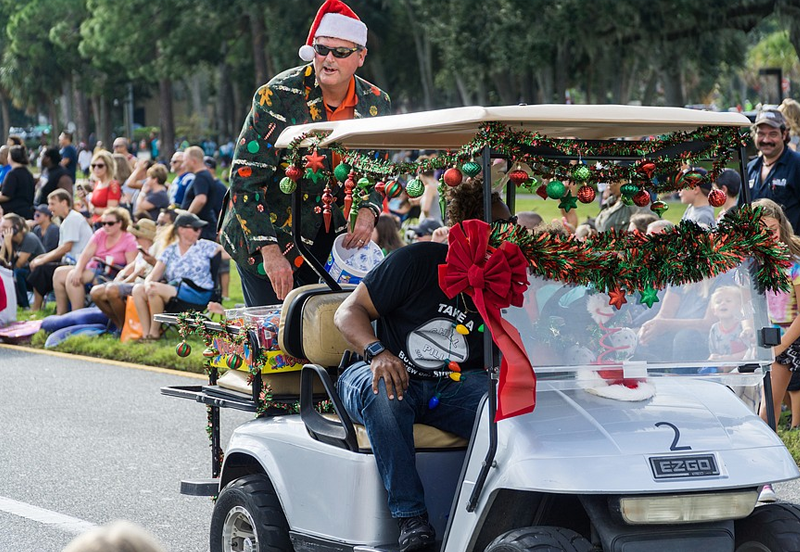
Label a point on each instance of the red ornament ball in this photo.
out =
(380, 187)
(209, 353)
(647, 168)
(541, 191)
(293, 172)
(453, 177)
(393, 189)
(586, 194)
(518, 177)
(716, 198)
(641, 198)
(183, 349)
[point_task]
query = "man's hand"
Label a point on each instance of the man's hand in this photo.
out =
(393, 372)
(36, 262)
(362, 232)
(278, 270)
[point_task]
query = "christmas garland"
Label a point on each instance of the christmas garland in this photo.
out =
(647, 165)
(628, 262)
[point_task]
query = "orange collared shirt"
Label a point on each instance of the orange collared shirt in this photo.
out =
(346, 109)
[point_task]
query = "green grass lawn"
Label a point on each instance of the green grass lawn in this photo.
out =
(549, 211)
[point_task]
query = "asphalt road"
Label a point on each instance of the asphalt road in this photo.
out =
(84, 443)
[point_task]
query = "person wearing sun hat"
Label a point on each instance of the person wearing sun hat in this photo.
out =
(255, 225)
(110, 297)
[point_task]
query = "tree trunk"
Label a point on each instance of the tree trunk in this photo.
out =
(423, 57)
(6, 118)
(81, 112)
(262, 72)
(224, 101)
(166, 118)
(104, 122)
(54, 124)
(463, 92)
(673, 86)
(67, 110)
(560, 73)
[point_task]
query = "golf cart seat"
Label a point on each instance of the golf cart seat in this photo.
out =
(307, 331)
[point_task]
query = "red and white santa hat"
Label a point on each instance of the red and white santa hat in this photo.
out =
(336, 20)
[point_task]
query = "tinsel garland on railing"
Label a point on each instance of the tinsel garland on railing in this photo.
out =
(192, 323)
(635, 262)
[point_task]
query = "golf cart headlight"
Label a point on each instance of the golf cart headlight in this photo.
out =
(690, 508)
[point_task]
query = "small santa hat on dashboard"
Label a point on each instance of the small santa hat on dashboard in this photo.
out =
(336, 20)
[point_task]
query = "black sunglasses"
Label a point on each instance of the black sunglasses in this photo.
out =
(109, 223)
(340, 52)
(97, 165)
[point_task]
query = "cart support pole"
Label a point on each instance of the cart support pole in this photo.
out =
(488, 356)
(746, 199)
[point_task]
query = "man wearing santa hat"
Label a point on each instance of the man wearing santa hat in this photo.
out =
(256, 223)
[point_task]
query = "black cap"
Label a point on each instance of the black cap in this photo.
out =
(426, 227)
(189, 220)
(43, 208)
(731, 180)
(210, 162)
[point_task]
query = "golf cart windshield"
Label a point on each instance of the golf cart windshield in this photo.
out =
(706, 329)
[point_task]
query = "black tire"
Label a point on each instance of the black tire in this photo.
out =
(248, 513)
(540, 539)
(770, 528)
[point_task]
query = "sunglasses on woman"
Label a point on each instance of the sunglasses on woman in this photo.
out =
(109, 222)
(97, 165)
(339, 52)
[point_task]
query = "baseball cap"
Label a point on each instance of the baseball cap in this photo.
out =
(43, 208)
(426, 227)
(771, 117)
(189, 220)
(730, 179)
(210, 162)
(143, 228)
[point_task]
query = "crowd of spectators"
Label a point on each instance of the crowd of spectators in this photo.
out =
(84, 227)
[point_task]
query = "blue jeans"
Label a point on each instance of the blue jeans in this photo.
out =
(389, 425)
(21, 286)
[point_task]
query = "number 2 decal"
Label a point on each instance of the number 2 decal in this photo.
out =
(674, 446)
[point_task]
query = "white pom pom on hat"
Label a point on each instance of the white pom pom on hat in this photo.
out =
(336, 20)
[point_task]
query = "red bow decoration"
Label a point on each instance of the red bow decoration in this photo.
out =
(495, 279)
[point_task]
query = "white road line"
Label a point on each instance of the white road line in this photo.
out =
(34, 513)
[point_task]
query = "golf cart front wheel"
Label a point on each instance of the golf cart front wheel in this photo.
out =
(540, 539)
(770, 528)
(248, 518)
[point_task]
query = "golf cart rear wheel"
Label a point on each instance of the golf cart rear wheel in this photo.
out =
(248, 518)
(540, 539)
(770, 528)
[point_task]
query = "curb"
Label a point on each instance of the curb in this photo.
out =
(96, 360)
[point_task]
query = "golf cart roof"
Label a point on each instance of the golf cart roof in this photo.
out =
(452, 128)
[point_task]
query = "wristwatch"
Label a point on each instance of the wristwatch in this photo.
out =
(372, 350)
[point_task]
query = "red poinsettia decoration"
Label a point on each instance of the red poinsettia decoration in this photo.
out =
(495, 279)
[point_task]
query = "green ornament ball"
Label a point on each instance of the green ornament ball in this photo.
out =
(629, 190)
(183, 349)
(342, 171)
(581, 173)
(659, 207)
(470, 168)
(415, 188)
(364, 183)
(287, 185)
(556, 189)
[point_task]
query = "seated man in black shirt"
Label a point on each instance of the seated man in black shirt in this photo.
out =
(424, 366)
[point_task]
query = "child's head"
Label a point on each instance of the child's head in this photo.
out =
(773, 217)
(726, 303)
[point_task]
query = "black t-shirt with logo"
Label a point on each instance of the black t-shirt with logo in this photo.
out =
(418, 323)
(203, 184)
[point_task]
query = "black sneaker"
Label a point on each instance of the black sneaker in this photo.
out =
(415, 533)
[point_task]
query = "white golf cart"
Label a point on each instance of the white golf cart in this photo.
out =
(628, 448)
